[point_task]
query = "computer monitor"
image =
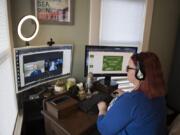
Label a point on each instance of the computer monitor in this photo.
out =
(107, 61)
(38, 65)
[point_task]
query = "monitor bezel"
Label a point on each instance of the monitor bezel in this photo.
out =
(104, 47)
(45, 81)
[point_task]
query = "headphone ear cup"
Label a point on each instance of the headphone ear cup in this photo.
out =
(139, 74)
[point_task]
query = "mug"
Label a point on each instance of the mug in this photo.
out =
(70, 82)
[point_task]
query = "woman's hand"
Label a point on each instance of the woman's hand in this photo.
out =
(102, 107)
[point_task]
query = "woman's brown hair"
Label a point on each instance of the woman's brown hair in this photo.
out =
(153, 85)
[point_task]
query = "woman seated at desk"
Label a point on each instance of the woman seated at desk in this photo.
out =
(142, 111)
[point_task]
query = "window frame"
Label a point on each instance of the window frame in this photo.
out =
(94, 25)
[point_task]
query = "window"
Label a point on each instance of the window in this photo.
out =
(8, 103)
(122, 22)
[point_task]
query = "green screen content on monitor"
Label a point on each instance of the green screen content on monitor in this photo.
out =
(112, 63)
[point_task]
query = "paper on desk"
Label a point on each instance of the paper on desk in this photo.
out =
(126, 87)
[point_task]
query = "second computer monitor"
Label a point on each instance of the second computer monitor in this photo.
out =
(107, 60)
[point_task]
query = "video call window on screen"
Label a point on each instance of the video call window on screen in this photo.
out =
(33, 69)
(48, 64)
(37, 65)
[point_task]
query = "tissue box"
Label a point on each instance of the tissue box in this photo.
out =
(61, 106)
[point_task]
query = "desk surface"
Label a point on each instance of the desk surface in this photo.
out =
(78, 123)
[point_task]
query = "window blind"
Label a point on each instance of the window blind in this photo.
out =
(122, 21)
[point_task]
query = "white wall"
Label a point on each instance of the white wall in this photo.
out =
(164, 31)
(8, 102)
(8, 105)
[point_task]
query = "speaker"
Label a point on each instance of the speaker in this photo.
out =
(140, 73)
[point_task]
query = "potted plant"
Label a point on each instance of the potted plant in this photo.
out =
(59, 87)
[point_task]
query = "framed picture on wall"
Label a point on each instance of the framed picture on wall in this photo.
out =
(55, 11)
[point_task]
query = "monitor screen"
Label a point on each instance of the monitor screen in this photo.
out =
(38, 65)
(107, 60)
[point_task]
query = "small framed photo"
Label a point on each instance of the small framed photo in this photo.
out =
(55, 11)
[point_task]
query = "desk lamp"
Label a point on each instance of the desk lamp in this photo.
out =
(27, 39)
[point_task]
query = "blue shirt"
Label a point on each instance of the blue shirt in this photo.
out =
(36, 73)
(134, 114)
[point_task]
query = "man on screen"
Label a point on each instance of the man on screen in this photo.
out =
(36, 72)
(52, 66)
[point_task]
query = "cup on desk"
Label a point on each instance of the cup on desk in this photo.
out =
(70, 82)
(59, 89)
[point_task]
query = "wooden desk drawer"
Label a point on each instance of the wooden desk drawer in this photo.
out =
(52, 129)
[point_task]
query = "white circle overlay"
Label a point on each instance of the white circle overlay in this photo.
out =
(20, 26)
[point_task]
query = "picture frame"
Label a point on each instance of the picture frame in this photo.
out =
(54, 11)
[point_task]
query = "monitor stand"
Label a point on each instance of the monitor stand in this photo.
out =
(108, 82)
